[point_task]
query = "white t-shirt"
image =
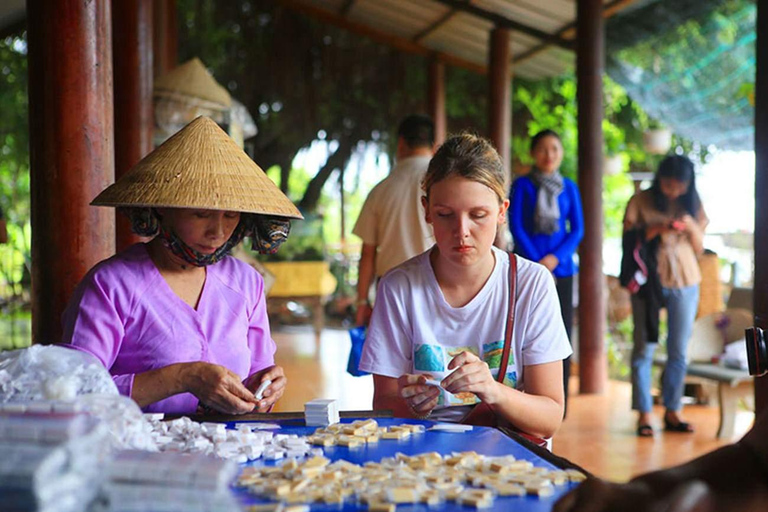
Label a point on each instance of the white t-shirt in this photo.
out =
(414, 330)
(392, 217)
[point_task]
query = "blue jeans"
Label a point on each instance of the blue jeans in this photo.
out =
(681, 304)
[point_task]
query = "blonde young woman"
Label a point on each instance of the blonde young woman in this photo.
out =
(177, 321)
(442, 314)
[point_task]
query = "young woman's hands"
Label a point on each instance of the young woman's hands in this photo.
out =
(472, 375)
(271, 393)
(419, 397)
(217, 387)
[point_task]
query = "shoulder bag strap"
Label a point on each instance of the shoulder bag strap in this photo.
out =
(510, 317)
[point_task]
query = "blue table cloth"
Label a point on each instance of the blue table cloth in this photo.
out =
(483, 440)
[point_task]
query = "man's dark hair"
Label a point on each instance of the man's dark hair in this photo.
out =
(417, 130)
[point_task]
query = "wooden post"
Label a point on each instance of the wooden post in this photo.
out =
(132, 55)
(71, 159)
(436, 99)
(593, 362)
(761, 189)
(165, 36)
(500, 112)
(500, 95)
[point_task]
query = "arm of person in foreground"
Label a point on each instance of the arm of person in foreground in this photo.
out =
(732, 478)
(537, 411)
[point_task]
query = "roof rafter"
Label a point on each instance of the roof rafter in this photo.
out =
(568, 31)
(401, 43)
(434, 26)
(504, 22)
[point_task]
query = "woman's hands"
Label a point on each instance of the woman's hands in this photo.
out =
(271, 393)
(472, 375)
(550, 261)
(217, 387)
(419, 397)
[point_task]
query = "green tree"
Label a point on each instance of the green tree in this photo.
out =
(14, 160)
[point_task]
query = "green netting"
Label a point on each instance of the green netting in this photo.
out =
(691, 65)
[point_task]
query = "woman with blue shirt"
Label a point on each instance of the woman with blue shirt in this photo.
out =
(547, 223)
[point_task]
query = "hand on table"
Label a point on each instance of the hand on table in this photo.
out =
(471, 375)
(419, 397)
(271, 393)
(596, 495)
(218, 388)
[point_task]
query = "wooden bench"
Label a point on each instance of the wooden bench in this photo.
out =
(707, 338)
(732, 386)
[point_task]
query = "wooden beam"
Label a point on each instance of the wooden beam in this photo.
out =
(590, 56)
(500, 95)
(379, 36)
(134, 123)
(504, 22)
(436, 99)
(434, 26)
(569, 31)
(165, 37)
(70, 151)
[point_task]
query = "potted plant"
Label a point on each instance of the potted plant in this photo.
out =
(657, 139)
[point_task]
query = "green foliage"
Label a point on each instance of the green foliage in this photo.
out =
(14, 162)
(547, 104)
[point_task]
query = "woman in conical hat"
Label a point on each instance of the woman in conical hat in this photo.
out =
(177, 322)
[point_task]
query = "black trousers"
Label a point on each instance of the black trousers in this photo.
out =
(564, 287)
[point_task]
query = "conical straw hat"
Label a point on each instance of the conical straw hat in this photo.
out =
(199, 167)
(192, 80)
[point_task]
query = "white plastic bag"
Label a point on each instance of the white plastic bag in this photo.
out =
(51, 372)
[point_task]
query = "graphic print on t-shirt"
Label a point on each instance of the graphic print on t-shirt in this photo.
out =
(434, 359)
(492, 355)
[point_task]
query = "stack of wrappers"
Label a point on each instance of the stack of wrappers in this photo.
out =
(59, 458)
(50, 461)
(321, 412)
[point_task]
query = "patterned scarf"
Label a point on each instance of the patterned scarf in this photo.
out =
(547, 215)
(267, 234)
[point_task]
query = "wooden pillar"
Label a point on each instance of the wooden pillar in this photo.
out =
(132, 56)
(761, 189)
(71, 159)
(165, 36)
(500, 112)
(436, 99)
(593, 362)
(500, 95)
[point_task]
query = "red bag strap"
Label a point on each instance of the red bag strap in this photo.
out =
(510, 327)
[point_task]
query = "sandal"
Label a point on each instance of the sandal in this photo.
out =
(680, 426)
(644, 431)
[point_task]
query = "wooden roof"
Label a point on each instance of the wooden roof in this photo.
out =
(457, 31)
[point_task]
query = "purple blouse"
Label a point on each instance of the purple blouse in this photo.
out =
(125, 314)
